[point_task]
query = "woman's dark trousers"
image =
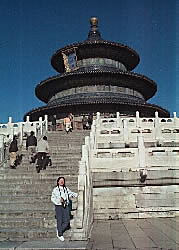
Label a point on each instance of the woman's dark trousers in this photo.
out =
(63, 219)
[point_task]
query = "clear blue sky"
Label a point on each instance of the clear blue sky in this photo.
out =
(31, 31)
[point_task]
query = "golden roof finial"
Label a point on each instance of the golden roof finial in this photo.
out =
(94, 21)
(94, 34)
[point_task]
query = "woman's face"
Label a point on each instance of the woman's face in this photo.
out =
(61, 182)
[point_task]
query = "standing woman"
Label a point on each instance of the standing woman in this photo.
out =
(60, 197)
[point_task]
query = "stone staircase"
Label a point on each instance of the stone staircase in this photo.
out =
(26, 211)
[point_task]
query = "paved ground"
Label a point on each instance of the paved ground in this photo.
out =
(143, 234)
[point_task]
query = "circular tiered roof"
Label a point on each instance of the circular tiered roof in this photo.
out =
(47, 88)
(98, 48)
(81, 107)
(100, 63)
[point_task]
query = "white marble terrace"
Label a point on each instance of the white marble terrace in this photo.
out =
(133, 164)
(139, 142)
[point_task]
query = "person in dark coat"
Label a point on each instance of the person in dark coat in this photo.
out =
(90, 121)
(84, 122)
(13, 152)
(53, 119)
(31, 144)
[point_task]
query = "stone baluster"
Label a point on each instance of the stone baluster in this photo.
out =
(81, 188)
(93, 135)
(21, 132)
(118, 120)
(46, 122)
(126, 133)
(137, 119)
(41, 125)
(175, 119)
(87, 143)
(157, 127)
(98, 119)
(141, 151)
(10, 129)
(27, 125)
(1, 148)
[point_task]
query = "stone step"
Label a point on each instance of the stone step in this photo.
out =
(25, 233)
(67, 164)
(25, 181)
(49, 222)
(57, 153)
(63, 141)
(67, 138)
(73, 134)
(30, 199)
(66, 152)
(41, 213)
(4, 185)
(57, 156)
(67, 146)
(34, 191)
(29, 188)
(44, 174)
(21, 205)
(61, 159)
(77, 149)
(48, 173)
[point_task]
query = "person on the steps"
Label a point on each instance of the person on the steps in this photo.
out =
(90, 121)
(84, 122)
(71, 116)
(31, 144)
(43, 150)
(60, 198)
(67, 124)
(13, 152)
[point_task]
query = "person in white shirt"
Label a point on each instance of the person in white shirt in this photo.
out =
(60, 198)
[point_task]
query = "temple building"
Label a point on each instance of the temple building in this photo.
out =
(96, 75)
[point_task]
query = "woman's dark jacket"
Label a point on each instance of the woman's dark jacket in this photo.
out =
(13, 146)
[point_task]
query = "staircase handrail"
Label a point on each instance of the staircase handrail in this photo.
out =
(84, 214)
(127, 129)
(4, 149)
(21, 129)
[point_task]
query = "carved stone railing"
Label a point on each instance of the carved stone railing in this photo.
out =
(84, 213)
(127, 129)
(21, 129)
(125, 143)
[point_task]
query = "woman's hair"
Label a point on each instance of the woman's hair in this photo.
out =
(61, 177)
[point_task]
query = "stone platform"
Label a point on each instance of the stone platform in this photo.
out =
(141, 234)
